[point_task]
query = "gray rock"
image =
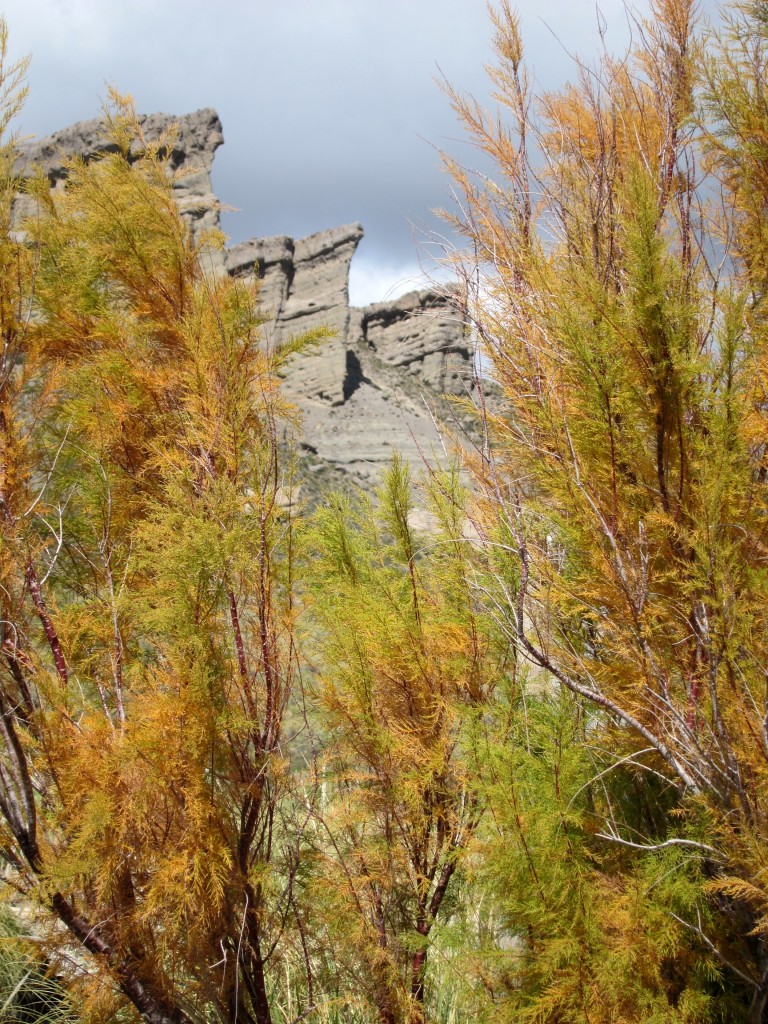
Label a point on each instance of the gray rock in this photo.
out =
(423, 332)
(376, 384)
(318, 296)
(198, 137)
(319, 293)
(270, 261)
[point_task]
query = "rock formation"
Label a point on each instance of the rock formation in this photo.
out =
(198, 137)
(305, 284)
(370, 388)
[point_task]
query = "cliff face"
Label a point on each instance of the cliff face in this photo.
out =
(373, 385)
(199, 136)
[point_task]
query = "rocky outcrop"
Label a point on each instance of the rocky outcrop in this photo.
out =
(305, 285)
(375, 383)
(401, 360)
(196, 140)
(422, 333)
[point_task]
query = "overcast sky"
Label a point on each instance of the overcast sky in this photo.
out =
(330, 108)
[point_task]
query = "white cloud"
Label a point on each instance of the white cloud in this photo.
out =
(376, 281)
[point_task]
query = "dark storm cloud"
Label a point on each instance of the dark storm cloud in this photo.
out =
(330, 108)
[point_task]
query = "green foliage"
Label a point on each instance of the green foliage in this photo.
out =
(515, 770)
(578, 930)
(404, 657)
(622, 317)
(149, 598)
(28, 994)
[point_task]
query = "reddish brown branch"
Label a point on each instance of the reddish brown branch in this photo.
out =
(50, 632)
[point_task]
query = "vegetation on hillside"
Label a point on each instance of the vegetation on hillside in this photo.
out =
(257, 766)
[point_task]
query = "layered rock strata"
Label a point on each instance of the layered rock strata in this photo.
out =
(374, 385)
(305, 285)
(197, 137)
